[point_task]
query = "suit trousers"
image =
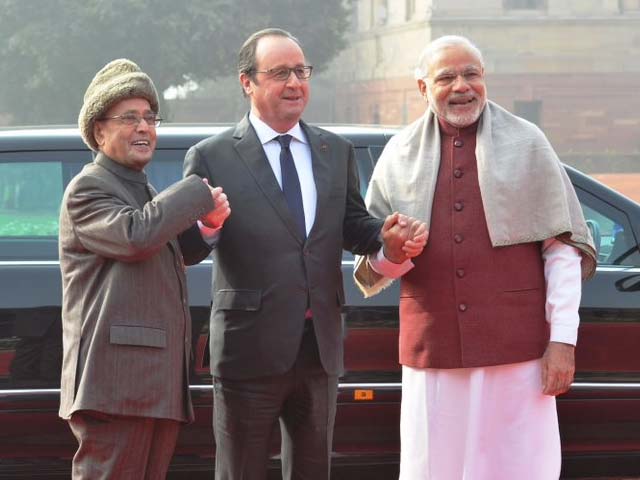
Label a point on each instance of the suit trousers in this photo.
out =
(246, 413)
(122, 447)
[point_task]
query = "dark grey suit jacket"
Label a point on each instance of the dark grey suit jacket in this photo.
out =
(125, 314)
(265, 273)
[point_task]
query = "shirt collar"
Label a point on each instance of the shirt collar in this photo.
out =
(266, 133)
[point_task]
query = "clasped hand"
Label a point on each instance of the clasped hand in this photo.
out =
(221, 209)
(403, 237)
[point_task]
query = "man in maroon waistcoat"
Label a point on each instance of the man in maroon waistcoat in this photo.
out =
(489, 310)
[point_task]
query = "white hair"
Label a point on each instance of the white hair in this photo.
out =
(441, 43)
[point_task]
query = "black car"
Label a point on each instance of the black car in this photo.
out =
(599, 416)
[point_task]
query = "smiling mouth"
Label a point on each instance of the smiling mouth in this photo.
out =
(462, 101)
(141, 143)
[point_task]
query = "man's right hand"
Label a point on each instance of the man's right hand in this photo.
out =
(221, 210)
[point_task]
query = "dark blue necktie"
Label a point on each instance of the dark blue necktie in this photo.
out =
(291, 184)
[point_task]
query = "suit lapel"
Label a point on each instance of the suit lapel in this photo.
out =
(252, 154)
(321, 164)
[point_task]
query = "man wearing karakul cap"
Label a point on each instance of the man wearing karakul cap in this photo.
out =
(125, 314)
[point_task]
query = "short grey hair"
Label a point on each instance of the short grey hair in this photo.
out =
(247, 53)
(446, 41)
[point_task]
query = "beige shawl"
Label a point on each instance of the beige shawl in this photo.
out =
(526, 193)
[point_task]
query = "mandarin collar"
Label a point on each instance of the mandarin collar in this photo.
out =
(120, 170)
(451, 131)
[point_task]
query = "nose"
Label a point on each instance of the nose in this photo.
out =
(142, 125)
(460, 84)
(293, 79)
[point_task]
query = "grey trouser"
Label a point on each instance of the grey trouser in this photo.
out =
(120, 447)
(246, 413)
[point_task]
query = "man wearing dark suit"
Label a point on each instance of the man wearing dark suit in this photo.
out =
(125, 314)
(276, 331)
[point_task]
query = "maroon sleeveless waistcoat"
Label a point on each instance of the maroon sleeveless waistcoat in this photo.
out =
(466, 303)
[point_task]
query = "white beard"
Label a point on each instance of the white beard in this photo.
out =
(459, 120)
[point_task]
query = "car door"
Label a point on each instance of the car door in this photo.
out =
(600, 415)
(31, 185)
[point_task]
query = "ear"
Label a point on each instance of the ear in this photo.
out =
(98, 133)
(247, 83)
(422, 86)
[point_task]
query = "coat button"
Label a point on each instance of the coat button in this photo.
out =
(458, 143)
(458, 206)
(460, 272)
(462, 307)
(458, 238)
(457, 173)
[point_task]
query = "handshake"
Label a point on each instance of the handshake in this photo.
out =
(403, 237)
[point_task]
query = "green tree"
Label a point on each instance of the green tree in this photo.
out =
(51, 50)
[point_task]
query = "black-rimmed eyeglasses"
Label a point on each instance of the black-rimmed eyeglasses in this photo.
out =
(283, 73)
(131, 119)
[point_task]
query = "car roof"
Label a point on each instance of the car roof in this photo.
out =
(172, 135)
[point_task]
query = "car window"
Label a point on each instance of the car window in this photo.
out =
(611, 231)
(165, 169)
(30, 195)
(365, 158)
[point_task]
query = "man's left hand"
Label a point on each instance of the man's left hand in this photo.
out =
(558, 368)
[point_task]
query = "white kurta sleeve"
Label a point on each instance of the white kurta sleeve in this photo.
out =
(564, 288)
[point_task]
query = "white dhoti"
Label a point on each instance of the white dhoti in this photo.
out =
(488, 423)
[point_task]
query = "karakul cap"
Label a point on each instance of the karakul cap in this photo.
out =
(118, 80)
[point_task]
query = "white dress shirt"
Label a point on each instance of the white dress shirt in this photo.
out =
(301, 152)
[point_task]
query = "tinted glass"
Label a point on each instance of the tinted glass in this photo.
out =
(611, 231)
(365, 162)
(165, 169)
(30, 195)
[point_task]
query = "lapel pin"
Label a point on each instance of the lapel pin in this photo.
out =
(324, 147)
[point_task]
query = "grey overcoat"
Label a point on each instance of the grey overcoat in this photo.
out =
(125, 314)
